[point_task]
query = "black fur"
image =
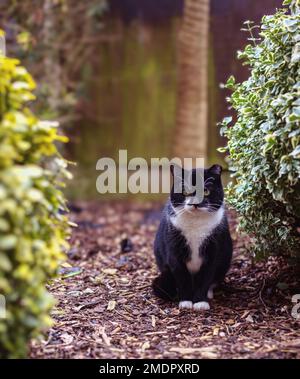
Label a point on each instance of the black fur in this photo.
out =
(172, 252)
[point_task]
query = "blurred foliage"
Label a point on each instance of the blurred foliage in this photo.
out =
(264, 142)
(56, 40)
(33, 227)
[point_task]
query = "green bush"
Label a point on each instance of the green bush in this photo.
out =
(32, 227)
(264, 142)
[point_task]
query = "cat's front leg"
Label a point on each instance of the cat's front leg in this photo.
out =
(201, 301)
(203, 283)
(184, 283)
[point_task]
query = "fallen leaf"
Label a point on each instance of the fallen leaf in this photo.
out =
(66, 264)
(109, 271)
(66, 338)
(104, 336)
(68, 272)
(230, 322)
(115, 330)
(153, 321)
(145, 346)
(111, 305)
(245, 314)
(88, 291)
(216, 331)
(205, 352)
(249, 318)
(74, 293)
(209, 355)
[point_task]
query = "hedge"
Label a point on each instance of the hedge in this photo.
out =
(264, 140)
(33, 228)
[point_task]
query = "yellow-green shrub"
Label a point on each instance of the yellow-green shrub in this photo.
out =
(32, 227)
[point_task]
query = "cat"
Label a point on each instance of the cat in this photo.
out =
(193, 246)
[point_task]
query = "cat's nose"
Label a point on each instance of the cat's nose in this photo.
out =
(193, 205)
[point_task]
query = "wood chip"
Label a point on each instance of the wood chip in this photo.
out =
(108, 309)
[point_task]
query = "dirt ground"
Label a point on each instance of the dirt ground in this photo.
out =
(106, 309)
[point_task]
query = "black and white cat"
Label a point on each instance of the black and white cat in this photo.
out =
(193, 247)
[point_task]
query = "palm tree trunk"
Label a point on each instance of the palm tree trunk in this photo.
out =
(192, 106)
(52, 68)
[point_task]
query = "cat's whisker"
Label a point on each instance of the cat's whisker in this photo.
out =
(213, 209)
(179, 211)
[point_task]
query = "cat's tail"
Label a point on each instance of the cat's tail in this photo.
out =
(164, 286)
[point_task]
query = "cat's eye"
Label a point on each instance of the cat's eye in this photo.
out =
(206, 192)
(186, 193)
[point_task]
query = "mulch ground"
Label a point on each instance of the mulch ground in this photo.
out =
(106, 309)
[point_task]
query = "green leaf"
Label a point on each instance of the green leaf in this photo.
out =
(8, 242)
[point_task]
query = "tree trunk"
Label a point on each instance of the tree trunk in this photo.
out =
(192, 102)
(52, 68)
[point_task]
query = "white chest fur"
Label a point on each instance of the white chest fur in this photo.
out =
(196, 227)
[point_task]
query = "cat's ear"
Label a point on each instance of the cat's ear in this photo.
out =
(215, 169)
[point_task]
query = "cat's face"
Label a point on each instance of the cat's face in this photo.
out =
(213, 194)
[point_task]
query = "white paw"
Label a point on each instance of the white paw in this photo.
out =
(201, 306)
(186, 304)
